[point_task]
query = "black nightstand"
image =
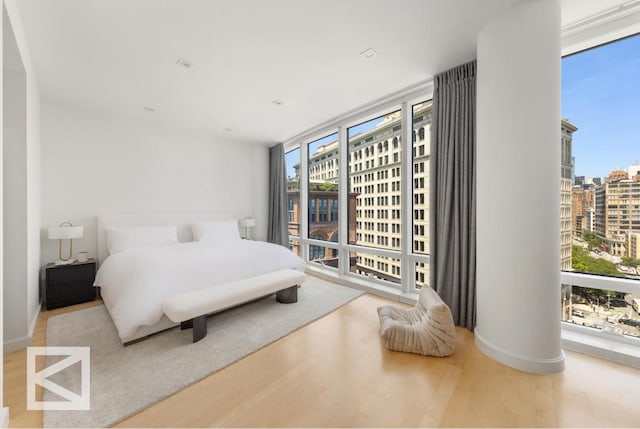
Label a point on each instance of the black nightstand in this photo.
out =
(69, 284)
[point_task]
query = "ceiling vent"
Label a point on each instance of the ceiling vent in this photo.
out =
(369, 54)
(184, 63)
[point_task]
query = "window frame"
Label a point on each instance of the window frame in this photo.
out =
(406, 291)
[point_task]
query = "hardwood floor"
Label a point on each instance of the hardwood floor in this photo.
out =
(336, 373)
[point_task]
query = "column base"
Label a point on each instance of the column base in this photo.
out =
(523, 363)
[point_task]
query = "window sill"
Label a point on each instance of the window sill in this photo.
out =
(601, 344)
(363, 285)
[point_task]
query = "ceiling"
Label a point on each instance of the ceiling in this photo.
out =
(120, 56)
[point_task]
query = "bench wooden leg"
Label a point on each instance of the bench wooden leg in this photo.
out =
(187, 324)
(199, 328)
(288, 295)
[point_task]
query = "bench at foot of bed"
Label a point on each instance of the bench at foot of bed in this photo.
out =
(190, 309)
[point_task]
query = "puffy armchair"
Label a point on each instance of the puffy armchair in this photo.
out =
(425, 329)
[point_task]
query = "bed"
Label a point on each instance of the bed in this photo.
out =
(144, 259)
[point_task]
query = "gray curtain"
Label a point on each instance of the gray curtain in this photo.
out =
(277, 229)
(452, 216)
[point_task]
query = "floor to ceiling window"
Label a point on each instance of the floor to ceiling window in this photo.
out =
(600, 176)
(367, 221)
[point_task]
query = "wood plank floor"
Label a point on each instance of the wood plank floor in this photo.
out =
(336, 373)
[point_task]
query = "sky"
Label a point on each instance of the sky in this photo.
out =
(601, 96)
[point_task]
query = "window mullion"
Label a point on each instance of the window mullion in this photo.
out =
(406, 198)
(343, 198)
(304, 203)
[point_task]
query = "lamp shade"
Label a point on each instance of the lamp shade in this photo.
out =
(65, 232)
(247, 222)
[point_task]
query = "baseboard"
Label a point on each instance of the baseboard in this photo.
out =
(16, 344)
(34, 321)
(523, 363)
(4, 417)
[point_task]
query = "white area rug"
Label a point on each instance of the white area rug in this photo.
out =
(125, 380)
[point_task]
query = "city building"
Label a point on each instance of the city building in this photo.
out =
(633, 245)
(618, 211)
(582, 205)
(589, 221)
(566, 182)
(578, 210)
(634, 171)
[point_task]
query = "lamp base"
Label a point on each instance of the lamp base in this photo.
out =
(67, 262)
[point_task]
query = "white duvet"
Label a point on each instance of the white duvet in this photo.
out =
(135, 282)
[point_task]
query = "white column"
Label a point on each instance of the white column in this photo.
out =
(518, 188)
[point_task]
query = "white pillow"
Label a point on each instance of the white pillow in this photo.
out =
(220, 231)
(122, 238)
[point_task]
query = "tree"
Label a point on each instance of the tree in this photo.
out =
(328, 186)
(582, 262)
(592, 239)
(630, 262)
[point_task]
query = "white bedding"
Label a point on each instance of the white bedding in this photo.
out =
(135, 282)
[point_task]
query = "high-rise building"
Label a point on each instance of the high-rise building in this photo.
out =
(579, 180)
(566, 181)
(582, 203)
(589, 221)
(618, 211)
(578, 210)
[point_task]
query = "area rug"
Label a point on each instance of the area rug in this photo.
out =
(125, 380)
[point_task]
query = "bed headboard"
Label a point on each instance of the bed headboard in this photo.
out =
(183, 222)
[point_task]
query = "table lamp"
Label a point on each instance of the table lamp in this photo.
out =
(247, 223)
(66, 231)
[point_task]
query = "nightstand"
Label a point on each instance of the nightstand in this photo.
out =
(69, 284)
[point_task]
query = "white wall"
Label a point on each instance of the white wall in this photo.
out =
(21, 176)
(4, 412)
(34, 202)
(15, 205)
(95, 164)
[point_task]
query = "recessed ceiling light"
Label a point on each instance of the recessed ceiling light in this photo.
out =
(184, 63)
(150, 109)
(369, 54)
(278, 102)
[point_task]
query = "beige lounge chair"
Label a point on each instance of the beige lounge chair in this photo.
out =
(425, 329)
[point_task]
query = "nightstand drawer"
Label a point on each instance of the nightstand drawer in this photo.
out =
(64, 274)
(69, 284)
(64, 294)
